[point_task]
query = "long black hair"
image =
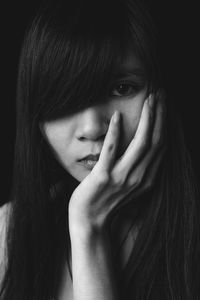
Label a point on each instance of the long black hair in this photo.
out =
(68, 55)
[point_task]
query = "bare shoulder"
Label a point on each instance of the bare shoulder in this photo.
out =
(4, 215)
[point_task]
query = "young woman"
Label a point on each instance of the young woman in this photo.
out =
(104, 204)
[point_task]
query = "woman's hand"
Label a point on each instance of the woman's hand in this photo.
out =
(112, 184)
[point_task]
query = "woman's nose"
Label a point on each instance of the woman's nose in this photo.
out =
(92, 125)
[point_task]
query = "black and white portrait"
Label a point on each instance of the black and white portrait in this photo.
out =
(101, 156)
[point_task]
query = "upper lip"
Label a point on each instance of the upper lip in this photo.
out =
(90, 157)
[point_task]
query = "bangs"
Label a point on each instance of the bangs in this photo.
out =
(82, 77)
(78, 46)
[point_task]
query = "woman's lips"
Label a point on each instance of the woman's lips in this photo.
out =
(89, 161)
(89, 164)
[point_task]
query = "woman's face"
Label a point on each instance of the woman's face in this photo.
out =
(74, 137)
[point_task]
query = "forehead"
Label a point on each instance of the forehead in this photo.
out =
(129, 62)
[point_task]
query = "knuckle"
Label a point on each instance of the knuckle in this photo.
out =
(135, 182)
(111, 147)
(103, 178)
(119, 178)
(118, 181)
(139, 179)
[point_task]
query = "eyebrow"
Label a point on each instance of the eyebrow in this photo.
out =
(138, 72)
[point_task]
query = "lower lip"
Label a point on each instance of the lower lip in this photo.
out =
(88, 164)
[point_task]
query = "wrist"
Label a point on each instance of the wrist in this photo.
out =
(86, 230)
(82, 224)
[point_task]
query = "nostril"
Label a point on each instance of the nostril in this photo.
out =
(99, 138)
(81, 138)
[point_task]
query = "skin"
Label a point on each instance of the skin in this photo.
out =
(112, 183)
(128, 131)
(83, 133)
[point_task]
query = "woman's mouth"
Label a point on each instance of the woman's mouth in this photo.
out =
(89, 161)
(89, 164)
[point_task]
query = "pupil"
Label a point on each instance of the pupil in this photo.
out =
(123, 87)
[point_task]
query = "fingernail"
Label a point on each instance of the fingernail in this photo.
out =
(151, 100)
(116, 117)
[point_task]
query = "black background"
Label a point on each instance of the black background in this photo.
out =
(177, 23)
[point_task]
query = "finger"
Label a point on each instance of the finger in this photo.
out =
(141, 140)
(143, 180)
(152, 173)
(145, 186)
(108, 152)
(158, 139)
(160, 121)
(158, 135)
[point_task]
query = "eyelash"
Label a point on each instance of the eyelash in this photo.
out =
(135, 88)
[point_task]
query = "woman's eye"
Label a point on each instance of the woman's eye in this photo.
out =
(124, 89)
